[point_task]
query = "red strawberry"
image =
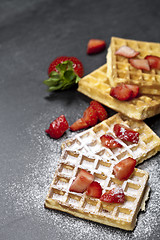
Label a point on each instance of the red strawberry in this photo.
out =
(127, 52)
(135, 90)
(121, 92)
(124, 92)
(101, 112)
(64, 73)
(82, 182)
(55, 62)
(57, 127)
(79, 124)
(95, 46)
(124, 168)
(94, 190)
(154, 61)
(115, 195)
(125, 133)
(90, 116)
(140, 64)
(109, 142)
(77, 65)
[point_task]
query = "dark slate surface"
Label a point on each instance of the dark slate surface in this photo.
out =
(32, 34)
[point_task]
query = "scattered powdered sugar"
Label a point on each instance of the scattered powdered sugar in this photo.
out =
(28, 194)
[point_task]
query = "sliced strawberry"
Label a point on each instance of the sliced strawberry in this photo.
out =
(127, 52)
(124, 168)
(109, 142)
(95, 46)
(154, 61)
(142, 64)
(125, 133)
(101, 111)
(57, 127)
(90, 116)
(115, 195)
(78, 125)
(82, 182)
(135, 90)
(121, 92)
(94, 190)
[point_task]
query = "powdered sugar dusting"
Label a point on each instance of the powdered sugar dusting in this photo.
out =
(28, 194)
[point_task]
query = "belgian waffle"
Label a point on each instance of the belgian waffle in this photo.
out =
(96, 85)
(84, 151)
(120, 70)
(80, 205)
(89, 140)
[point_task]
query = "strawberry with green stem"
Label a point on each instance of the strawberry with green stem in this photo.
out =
(64, 72)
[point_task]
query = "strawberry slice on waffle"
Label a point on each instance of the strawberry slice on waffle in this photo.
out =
(109, 142)
(154, 61)
(81, 182)
(127, 52)
(124, 92)
(142, 64)
(115, 195)
(125, 133)
(94, 190)
(124, 168)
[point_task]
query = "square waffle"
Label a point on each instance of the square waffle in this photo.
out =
(96, 85)
(88, 141)
(80, 205)
(84, 151)
(121, 71)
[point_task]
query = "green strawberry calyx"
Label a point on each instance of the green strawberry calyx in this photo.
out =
(64, 78)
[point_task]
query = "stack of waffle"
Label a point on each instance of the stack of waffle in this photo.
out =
(85, 150)
(121, 71)
(97, 85)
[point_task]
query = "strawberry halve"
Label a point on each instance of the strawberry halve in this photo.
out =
(125, 133)
(127, 52)
(81, 182)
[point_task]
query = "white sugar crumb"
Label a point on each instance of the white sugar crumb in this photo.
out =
(28, 195)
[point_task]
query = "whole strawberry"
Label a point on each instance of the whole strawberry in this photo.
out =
(63, 73)
(77, 65)
(58, 127)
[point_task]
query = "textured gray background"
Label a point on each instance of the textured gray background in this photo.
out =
(32, 34)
